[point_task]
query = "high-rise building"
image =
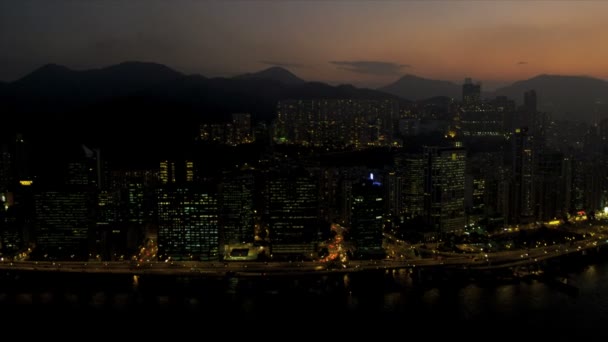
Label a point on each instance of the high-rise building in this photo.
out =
(126, 213)
(550, 187)
(329, 192)
(486, 179)
(444, 188)
(292, 208)
(522, 173)
(188, 222)
(393, 193)
(242, 128)
(367, 219)
(172, 171)
(411, 168)
(471, 93)
(63, 222)
(65, 205)
(236, 208)
(188, 214)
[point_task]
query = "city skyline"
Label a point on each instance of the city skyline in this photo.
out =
(362, 43)
(330, 164)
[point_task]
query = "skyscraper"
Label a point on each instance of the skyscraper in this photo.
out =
(471, 93)
(292, 211)
(522, 171)
(367, 218)
(188, 214)
(236, 207)
(188, 224)
(63, 222)
(242, 128)
(444, 188)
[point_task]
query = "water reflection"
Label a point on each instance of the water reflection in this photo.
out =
(398, 293)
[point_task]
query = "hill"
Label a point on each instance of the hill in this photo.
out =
(417, 88)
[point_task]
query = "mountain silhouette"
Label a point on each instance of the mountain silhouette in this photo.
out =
(417, 88)
(55, 81)
(274, 73)
(578, 98)
(142, 110)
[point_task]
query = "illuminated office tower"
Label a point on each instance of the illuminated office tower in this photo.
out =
(366, 226)
(551, 187)
(236, 208)
(63, 221)
(486, 188)
(126, 213)
(63, 204)
(587, 191)
(329, 192)
(483, 119)
(393, 196)
(188, 223)
(444, 188)
(167, 172)
(410, 168)
(292, 212)
(535, 121)
(172, 171)
(522, 171)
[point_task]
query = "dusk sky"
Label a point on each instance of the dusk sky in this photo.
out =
(366, 43)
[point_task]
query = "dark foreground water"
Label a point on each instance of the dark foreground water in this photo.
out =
(383, 302)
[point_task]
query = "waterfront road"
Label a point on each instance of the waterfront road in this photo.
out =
(495, 260)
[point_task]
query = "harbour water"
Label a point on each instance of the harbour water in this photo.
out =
(386, 298)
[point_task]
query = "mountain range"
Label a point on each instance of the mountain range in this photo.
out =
(578, 98)
(273, 73)
(417, 88)
(139, 107)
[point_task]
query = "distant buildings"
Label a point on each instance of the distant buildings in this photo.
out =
(439, 166)
(235, 132)
(336, 123)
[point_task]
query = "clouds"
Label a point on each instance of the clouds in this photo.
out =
(371, 67)
(283, 64)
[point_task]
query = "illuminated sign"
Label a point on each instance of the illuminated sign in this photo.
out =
(26, 182)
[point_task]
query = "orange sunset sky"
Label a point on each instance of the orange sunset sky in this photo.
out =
(366, 43)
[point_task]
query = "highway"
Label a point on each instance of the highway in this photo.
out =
(496, 260)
